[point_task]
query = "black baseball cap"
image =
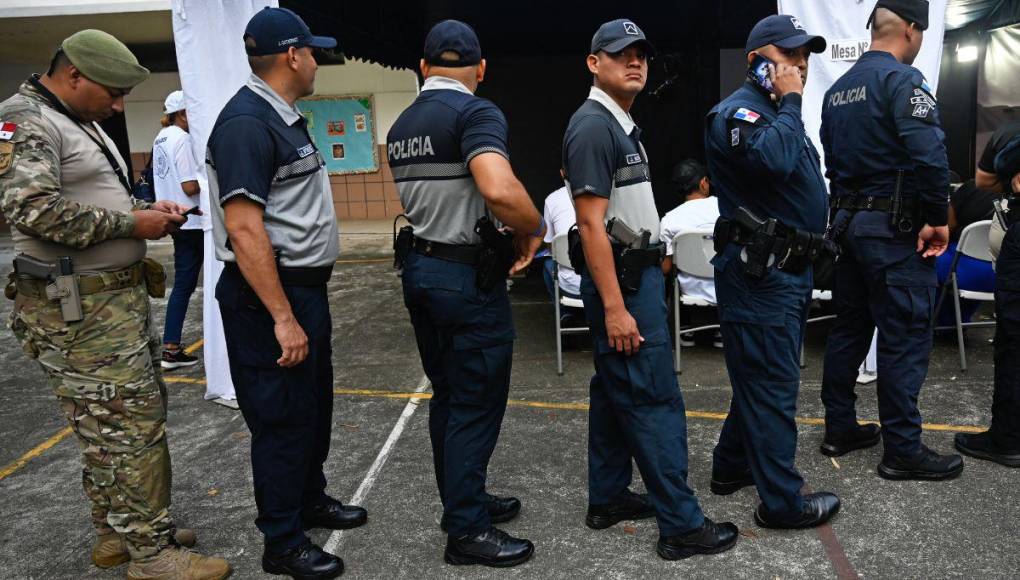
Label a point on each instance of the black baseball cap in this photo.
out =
(274, 30)
(915, 11)
(616, 35)
(455, 36)
(784, 31)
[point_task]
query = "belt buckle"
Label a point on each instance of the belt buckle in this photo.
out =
(427, 250)
(869, 202)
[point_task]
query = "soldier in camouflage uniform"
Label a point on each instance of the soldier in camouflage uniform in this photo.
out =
(63, 189)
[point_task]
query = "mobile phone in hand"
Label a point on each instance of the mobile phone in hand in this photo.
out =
(193, 210)
(759, 73)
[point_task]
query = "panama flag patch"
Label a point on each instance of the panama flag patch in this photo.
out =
(748, 115)
(7, 131)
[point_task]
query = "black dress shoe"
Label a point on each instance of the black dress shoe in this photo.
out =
(926, 465)
(307, 562)
(818, 509)
(627, 506)
(981, 446)
(333, 515)
(727, 482)
(861, 437)
(494, 548)
(501, 509)
(710, 538)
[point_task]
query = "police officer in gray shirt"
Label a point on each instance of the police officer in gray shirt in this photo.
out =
(275, 228)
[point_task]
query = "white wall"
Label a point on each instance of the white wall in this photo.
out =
(144, 106)
(393, 91)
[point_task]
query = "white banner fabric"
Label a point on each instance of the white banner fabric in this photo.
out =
(212, 66)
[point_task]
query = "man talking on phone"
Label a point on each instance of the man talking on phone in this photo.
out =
(772, 203)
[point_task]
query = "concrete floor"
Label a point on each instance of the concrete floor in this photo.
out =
(967, 528)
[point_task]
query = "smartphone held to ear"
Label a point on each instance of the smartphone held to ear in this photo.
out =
(760, 74)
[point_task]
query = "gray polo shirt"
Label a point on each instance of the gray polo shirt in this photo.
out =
(430, 147)
(603, 156)
(260, 149)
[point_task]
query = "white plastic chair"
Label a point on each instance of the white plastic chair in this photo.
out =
(561, 255)
(973, 244)
(692, 252)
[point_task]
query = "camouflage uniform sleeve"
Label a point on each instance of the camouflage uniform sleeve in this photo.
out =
(30, 191)
(140, 204)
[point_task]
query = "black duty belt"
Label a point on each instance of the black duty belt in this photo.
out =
(460, 253)
(794, 249)
(869, 203)
(293, 276)
(641, 257)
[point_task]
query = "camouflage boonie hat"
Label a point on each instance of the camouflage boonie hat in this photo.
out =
(104, 59)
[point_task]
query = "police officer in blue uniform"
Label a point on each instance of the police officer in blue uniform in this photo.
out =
(450, 160)
(637, 412)
(890, 187)
(1001, 442)
(276, 231)
(772, 206)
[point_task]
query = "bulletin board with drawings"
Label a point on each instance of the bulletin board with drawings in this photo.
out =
(343, 128)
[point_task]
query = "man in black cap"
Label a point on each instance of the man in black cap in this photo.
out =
(886, 158)
(276, 231)
(637, 411)
(1001, 443)
(451, 162)
(772, 203)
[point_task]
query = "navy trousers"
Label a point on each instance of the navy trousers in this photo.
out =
(881, 281)
(465, 339)
(1005, 427)
(289, 411)
(637, 412)
(763, 327)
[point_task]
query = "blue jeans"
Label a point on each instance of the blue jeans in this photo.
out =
(188, 255)
(550, 279)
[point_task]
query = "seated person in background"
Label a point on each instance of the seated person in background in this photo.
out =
(559, 218)
(698, 210)
(985, 177)
(968, 204)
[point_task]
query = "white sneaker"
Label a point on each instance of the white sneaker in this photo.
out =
(866, 377)
(687, 339)
(229, 403)
(717, 339)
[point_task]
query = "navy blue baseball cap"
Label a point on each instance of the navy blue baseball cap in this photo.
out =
(784, 31)
(616, 35)
(915, 11)
(452, 36)
(274, 30)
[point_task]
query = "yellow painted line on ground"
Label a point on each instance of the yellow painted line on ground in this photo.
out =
(584, 407)
(197, 345)
(35, 452)
(366, 261)
(63, 433)
(183, 380)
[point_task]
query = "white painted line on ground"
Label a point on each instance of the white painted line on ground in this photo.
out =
(333, 543)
